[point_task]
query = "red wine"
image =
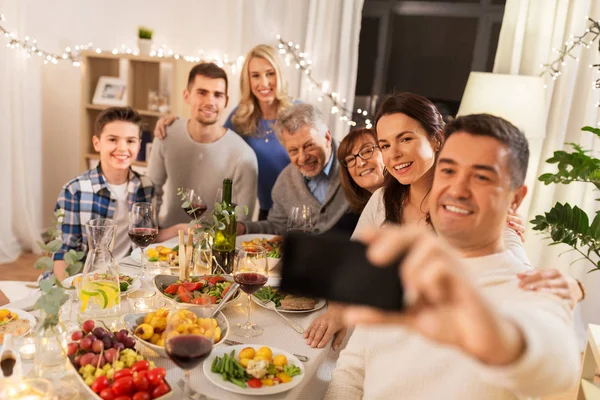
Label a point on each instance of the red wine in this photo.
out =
(199, 210)
(187, 351)
(250, 282)
(225, 260)
(143, 236)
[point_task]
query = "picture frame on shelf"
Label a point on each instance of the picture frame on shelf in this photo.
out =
(110, 91)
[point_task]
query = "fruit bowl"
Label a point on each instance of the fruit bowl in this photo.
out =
(132, 321)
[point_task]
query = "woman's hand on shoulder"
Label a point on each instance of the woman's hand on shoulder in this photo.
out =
(160, 130)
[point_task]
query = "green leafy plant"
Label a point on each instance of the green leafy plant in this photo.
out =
(217, 220)
(570, 224)
(54, 294)
(145, 33)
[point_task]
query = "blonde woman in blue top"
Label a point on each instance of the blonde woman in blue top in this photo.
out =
(263, 96)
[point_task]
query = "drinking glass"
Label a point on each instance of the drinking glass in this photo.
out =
(143, 229)
(196, 205)
(184, 343)
(302, 218)
(250, 272)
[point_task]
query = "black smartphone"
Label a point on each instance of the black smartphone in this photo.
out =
(332, 267)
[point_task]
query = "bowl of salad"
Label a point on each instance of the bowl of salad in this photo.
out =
(272, 243)
(197, 290)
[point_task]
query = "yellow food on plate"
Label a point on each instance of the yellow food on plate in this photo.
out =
(265, 352)
(16, 327)
(280, 360)
(6, 315)
(247, 352)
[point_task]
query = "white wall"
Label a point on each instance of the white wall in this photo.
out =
(186, 26)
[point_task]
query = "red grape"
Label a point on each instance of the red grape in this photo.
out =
(88, 326)
(98, 346)
(86, 359)
(118, 346)
(111, 355)
(85, 343)
(107, 342)
(72, 348)
(129, 342)
(77, 361)
(99, 332)
(121, 335)
(77, 335)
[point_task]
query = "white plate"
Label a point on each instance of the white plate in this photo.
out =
(320, 304)
(22, 315)
(246, 238)
(136, 283)
(135, 253)
(217, 379)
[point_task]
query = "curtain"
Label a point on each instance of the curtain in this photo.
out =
(20, 155)
(332, 36)
(530, 29)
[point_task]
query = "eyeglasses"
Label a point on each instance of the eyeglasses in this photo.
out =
(365, 153)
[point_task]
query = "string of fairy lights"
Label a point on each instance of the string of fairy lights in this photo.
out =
(571, 48)
(290, 52)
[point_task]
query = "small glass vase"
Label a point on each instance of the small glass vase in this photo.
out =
(51, 337)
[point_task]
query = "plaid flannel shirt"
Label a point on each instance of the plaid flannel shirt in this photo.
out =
(87, 197)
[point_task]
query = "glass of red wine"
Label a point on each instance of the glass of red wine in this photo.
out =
(250, 272)
(184, 343)
(195, 206)
(143, 229)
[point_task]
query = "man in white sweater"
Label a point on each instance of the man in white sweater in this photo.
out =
(198, 153)
(468, 331)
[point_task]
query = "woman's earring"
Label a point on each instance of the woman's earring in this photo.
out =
(385, 171)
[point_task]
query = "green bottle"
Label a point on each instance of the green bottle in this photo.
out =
(224, 241)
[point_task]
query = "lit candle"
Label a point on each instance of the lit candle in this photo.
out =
(27, 351)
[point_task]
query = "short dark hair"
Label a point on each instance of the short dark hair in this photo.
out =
(502, 130)
(113, 114)
(208, 70)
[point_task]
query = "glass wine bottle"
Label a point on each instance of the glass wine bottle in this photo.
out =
(224, 241)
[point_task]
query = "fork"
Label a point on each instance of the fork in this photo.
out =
(271, 306)
(229, 342)
(192, 394)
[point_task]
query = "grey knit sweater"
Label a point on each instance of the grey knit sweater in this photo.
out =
(290, 190)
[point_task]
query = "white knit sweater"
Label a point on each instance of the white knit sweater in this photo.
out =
(394, 363)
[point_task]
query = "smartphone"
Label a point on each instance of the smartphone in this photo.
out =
(332, 267)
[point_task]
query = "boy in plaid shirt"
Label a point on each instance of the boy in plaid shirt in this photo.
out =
(109, 190)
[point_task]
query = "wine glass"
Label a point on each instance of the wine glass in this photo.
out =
(302, 218)
(250, 272)
(219, 196)
(196, 206)
(189, 337)
(143, 229)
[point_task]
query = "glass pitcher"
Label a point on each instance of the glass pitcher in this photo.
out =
(203, 255)
(99, 294)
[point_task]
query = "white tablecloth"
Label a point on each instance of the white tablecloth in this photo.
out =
(276, 334)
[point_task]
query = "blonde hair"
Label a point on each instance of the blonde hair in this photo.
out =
(245, 119)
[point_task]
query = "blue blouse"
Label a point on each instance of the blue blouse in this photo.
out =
(271, 155)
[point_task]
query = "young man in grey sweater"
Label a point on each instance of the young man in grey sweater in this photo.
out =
(198, 153)
(312, 177)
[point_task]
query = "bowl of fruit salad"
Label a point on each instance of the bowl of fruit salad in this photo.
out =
(149, 328)
(108, 366)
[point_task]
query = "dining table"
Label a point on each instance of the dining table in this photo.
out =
(277, 334)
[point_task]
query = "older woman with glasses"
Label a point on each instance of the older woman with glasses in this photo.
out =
(363, 167)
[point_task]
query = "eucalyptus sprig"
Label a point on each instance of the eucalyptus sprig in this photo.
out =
(54, 294)
(218, 219)
(569, 224)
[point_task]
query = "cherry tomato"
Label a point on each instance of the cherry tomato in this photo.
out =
(255, 383)
(172, 289)
(201, 300)
(156, 375)
(141, 396)
(140, 366)
(215, 279)
(123, 398)
(141, 382)
(100, 384)
(184, 295)
(123, 386)
(122, 373)
(191, 286)
(107, 394)
(160, 390)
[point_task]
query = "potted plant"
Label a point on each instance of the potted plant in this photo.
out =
(570, 224)
(145, 40)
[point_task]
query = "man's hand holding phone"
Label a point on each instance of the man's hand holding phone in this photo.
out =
(442, 303)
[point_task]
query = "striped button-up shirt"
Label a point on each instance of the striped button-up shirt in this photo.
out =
(87, 197)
